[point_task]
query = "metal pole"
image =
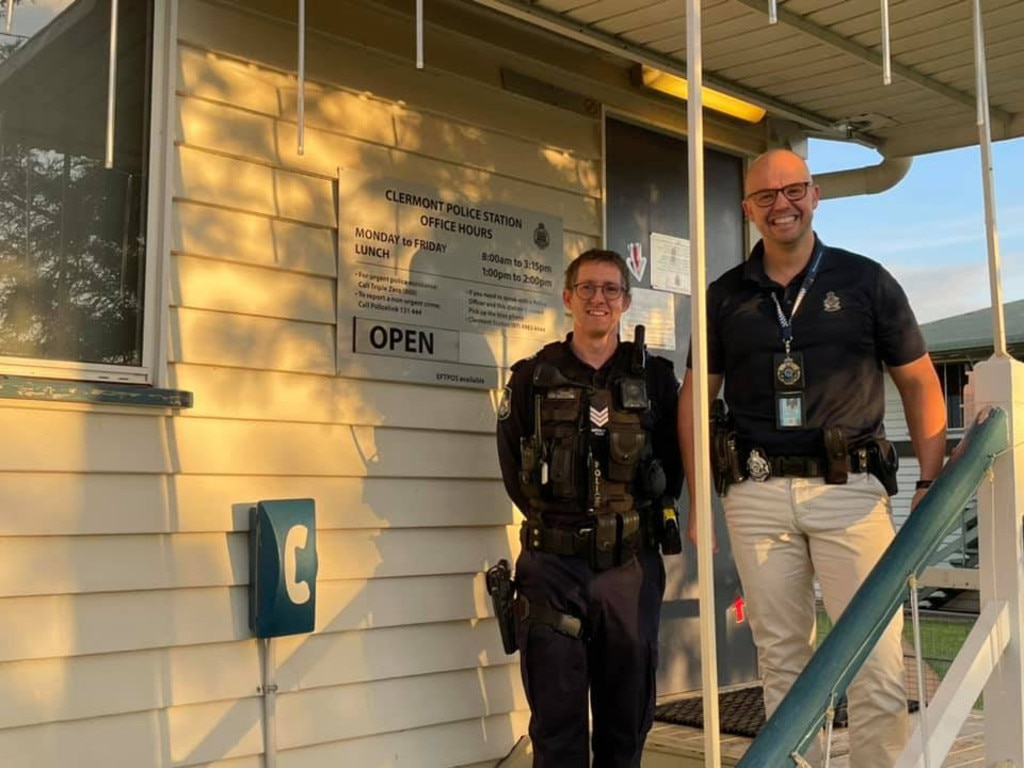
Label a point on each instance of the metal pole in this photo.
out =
(886, 46)
(419, 34)
(300, 97)
(10, 17)
(773, 11)
(988, 184)
(269, 705)
(701, 406)
(108, 156)
(922, 710)
(830, 719)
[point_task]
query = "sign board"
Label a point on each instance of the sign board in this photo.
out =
(282, 567)
(439, 289)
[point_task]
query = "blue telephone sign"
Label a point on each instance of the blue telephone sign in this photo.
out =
(282, 567)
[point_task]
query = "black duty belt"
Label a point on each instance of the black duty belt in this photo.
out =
(584, 542)
(814, 466)
(557, 541)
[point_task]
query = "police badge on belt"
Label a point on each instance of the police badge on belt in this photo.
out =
(788, 379)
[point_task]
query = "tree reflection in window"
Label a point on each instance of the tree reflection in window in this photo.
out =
(71, 231)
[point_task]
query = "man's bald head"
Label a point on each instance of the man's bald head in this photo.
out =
(772, 163)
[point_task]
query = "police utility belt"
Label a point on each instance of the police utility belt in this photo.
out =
(604, 542)
(733, 463)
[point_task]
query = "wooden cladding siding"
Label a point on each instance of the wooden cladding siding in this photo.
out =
(123, 544)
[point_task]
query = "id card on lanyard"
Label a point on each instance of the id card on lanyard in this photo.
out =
(788, 371)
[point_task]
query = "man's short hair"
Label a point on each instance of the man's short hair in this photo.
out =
(596, 256)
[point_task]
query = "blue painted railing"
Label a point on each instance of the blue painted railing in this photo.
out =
(801, 713)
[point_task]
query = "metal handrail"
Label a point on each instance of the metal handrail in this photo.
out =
(799, 717)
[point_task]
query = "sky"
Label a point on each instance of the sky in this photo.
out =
(929, 230)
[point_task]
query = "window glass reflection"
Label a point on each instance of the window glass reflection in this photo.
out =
(72, 231)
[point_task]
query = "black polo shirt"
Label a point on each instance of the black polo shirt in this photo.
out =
(854, 318)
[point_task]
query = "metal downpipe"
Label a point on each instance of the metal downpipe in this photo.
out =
(869, 180)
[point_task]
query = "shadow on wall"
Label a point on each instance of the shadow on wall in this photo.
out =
(405, 658)
(138, 613)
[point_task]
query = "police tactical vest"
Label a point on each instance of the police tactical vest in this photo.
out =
(588, 442)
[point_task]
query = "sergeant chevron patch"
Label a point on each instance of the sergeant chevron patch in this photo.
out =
(598, 416)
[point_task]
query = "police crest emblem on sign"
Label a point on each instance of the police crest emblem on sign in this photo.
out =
(541, 236)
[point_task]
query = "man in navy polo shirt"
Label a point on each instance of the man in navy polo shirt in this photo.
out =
(799, 334)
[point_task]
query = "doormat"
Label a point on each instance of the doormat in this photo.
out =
(740, 712)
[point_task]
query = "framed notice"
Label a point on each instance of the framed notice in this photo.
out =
(670, 263)
(439, 289)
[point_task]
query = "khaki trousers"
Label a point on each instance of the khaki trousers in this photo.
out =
(786, 531)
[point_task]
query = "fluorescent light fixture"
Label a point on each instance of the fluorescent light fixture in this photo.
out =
(716, 100)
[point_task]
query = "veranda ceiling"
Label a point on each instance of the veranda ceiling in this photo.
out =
(821, 64)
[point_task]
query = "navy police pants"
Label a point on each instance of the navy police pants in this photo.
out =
(615, 662)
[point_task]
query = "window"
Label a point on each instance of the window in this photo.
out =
(72, 229)
(953, 378)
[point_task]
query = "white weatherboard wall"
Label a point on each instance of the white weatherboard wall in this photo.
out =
(909, 473)
(123, 561)
(123, 543)
(896, 430)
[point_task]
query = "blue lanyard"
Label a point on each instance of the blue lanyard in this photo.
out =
(786, 323)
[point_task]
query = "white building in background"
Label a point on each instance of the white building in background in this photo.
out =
(956, 344)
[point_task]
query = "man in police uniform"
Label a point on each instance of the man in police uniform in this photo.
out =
(800, 333)
(589, 453)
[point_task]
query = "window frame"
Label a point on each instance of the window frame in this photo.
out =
(942, 370)
(155, 314)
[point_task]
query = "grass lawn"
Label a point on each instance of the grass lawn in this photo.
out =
(941, 639)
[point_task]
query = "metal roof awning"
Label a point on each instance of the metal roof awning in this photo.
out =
(972, 331)
(821, 65)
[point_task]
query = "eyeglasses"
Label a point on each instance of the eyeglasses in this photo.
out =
(611, 291)
(765, 198)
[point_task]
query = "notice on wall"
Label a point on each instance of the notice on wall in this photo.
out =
(670, 263)
(436, 288)
(655, 311)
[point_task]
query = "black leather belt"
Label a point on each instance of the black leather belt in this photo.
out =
(813, 466)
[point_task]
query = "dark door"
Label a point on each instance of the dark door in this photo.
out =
(647, 194)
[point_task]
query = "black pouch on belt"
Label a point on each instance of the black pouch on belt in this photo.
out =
(837, 457)
(884, 463)
(607, 537)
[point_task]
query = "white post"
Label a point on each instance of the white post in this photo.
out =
(419, 34)
(1000, 381)
(701, 483)
(886, 46)
(300, 96)
(987, 182)
(108, 155)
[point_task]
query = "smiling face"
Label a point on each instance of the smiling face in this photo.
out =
(596, 317)
(785, 224)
